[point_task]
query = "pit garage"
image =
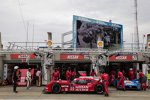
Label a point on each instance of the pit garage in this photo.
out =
(78, 62)
(124, 63)
(24, 64)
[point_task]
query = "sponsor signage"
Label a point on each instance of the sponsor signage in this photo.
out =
(71, 57)
(22, 56)
(49, 43)
(100, 44)
(123, 58)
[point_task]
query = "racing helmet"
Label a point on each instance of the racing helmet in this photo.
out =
(130, 69)
(16, 67)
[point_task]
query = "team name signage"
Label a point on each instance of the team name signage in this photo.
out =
(22, 56)
(123, 58)
(71, 57)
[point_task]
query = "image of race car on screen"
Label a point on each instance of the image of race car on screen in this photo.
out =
(89, 33)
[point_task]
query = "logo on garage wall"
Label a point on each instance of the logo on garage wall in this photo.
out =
(123, 58)
(71, 57)
(22, 56)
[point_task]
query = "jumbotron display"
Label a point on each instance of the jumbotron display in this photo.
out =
(86, 33)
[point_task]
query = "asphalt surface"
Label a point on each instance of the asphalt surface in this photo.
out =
(36, 93)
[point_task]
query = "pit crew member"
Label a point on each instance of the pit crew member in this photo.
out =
(142, 80)
(105, 79)
(131, 74)
(55, 74)
(68, 74)
(73, 74)
(121, 80)
(92, 73)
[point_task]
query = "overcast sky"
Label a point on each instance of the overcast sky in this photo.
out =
(56, 16)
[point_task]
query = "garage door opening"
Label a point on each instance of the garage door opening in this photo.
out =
(83, 67)
(23, 67)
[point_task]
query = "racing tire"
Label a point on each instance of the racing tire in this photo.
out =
(99, 89)
(56, 88)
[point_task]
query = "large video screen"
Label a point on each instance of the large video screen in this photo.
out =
(86, 33)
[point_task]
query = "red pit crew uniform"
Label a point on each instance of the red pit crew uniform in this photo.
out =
(121, 80)
(105, 79)
(93, 73)
(143, 80)
(55, 75)
(112, 77)
(113, 73)
(131, 75)
(73, 74)
(58, 72)
(141, 74)
(68, 75)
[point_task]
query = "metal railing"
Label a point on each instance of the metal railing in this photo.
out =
(30, 47)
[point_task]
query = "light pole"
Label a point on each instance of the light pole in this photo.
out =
(143, 42)
(136, 25)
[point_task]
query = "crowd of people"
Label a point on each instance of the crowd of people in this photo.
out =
(29, 78)
(107, 79)
(70, 75)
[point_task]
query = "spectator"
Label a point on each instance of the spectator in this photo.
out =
(38, 77)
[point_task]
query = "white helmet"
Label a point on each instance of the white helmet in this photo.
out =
(16, 67)
(130, 69)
